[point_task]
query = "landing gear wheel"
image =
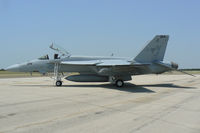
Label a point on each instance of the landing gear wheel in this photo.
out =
(119, 83)
(58, 83)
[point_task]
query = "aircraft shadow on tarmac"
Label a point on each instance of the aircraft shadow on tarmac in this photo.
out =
(128, 87)
(169, 85)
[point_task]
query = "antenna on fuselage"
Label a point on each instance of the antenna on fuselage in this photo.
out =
(60, 50)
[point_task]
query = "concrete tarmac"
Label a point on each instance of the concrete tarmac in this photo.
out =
(147, 104)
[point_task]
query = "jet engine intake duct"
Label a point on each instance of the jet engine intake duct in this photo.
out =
(87, 78)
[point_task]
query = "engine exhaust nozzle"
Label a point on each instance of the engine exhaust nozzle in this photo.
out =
(174, 65)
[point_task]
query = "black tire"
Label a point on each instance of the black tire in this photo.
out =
(58, 83)
(119, 83)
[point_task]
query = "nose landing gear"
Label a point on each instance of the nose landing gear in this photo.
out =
(58, 83)
(57, 75)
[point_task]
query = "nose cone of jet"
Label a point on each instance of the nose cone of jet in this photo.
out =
(13, 68)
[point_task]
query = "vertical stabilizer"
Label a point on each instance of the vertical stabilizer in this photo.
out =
(154, 51)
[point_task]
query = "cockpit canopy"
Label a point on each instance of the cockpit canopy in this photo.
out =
(45, 57)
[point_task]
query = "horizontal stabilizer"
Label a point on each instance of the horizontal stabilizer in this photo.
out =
(173, 69)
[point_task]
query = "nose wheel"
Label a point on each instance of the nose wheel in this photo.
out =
(57, 75)
(59, 83)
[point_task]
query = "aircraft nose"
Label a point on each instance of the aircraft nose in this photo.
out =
(13, 68)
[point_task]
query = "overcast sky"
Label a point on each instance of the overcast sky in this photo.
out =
(98, 27)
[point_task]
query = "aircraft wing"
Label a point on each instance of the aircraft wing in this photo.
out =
(117, 63)
(87, 63)
(114, 63)
(112, 67)
(104, 63)
(121, 67)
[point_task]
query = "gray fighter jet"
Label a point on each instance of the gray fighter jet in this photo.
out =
(102, 69)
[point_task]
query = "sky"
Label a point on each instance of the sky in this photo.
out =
(98, 28)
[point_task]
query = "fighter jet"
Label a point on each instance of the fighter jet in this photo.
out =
(102, 69)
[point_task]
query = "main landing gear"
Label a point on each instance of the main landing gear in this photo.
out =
(116, 80)
(57, 75)
(119, 83)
